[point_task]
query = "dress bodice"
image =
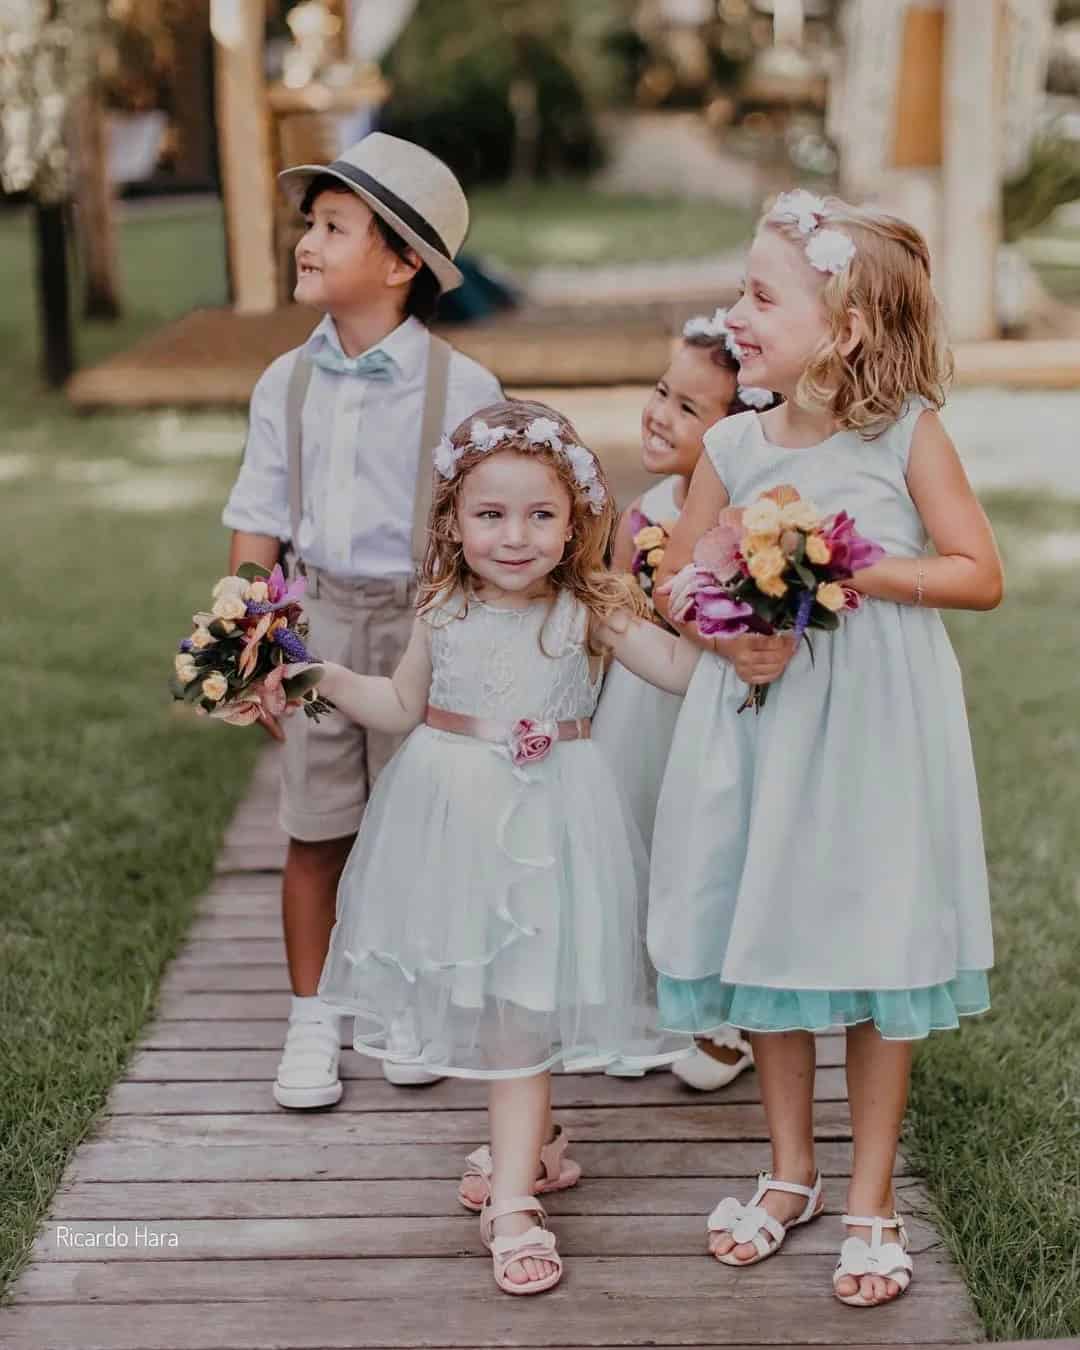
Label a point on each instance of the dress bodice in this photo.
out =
(844, 473)
(511, 663)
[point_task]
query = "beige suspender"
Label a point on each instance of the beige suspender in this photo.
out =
(438, 370)
(435, 391)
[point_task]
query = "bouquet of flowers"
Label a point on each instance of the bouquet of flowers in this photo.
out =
(776, 566)
(232, 667)
(650, 542)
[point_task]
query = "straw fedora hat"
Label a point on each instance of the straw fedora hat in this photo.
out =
(413, 191)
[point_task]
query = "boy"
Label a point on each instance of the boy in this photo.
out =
(338, 463)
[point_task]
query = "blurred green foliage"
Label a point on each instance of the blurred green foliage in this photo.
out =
(1051, 179)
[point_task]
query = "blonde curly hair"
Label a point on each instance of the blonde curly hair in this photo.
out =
(583, 570)
(903, 350)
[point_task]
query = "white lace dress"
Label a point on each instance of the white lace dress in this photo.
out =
(486, 918)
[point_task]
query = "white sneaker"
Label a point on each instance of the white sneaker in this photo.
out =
(307, 1075)
(701, 1071)
(408, 1075)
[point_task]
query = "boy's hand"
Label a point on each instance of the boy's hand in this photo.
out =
(758, 660)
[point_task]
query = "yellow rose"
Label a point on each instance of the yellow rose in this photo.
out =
(762, 518)
(655, 557)
(215, 687)
(831, 595)
(185, 667)
(789, 542)
(756, 543)
(800, 516)
(768, 564)
(258, 592)
(229, 607)
(651, 536)
(201, 638)
(817, 550)
(773, 586)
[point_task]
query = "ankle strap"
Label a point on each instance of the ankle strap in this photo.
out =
(520, 1204)
(871, 1221)
(767, 1183)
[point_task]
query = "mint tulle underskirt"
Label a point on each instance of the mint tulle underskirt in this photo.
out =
(899, 1014)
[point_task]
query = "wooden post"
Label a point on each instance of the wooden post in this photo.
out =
(247, 180)
(972, 172)
(95, 210)
(54, 292)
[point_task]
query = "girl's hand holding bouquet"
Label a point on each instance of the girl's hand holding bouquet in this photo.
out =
(774, 567)
(234, 666)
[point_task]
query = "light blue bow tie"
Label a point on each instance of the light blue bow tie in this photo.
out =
(375, 365)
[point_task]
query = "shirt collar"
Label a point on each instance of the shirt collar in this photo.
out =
(406, 345)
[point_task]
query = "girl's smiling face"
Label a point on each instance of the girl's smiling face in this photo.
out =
(341, 260)
(779, 321)
(689, 397)
(513, 522)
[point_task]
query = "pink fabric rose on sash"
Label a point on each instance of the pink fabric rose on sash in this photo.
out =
(531, 741)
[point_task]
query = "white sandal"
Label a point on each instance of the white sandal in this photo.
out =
(705, 1072)
(858, 1258)
(750, 1223)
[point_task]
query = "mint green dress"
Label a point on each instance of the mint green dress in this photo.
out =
(822, 862)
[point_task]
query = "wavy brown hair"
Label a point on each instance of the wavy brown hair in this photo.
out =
(583, 570)
(903, 350)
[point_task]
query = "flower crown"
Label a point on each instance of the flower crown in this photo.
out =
(827, 250)
(715, 328)
(540, 431)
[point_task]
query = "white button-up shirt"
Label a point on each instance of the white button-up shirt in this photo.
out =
(360, 457)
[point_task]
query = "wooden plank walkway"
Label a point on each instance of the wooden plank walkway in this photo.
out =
(220, 1222)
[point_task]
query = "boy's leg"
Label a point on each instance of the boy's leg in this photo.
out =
(308, 904)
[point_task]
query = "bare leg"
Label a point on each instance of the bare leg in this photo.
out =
(878, 1073)
(785, 1066)
(476, 1188)
(308, 904)
(520, 1113)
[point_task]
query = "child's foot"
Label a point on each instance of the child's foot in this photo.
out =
(524, 1254)
(555, 1172)
(529, 1269)
(744, 1234)
(874, 1266)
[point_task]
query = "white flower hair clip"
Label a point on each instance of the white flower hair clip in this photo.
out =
(755, 398)
(716, 327)
(447, 456)
(827, 250)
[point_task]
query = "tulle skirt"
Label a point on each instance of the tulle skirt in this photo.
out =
(487, 916)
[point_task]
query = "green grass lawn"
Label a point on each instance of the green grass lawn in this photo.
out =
(112, 807)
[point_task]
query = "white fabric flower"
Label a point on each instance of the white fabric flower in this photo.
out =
(756, 398)
(702, 326)
(544, 431)
(829, 251)
(802, 208)
(445, 457)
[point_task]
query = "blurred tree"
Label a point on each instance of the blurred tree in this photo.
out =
(508, 87)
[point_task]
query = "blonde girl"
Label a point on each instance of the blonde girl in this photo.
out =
(485, 923)
(822, 863)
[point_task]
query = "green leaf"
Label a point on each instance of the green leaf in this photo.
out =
(193, 691)
(251, 571)
(820, 617)
(218, 630)
(300, 684)
(805, 576)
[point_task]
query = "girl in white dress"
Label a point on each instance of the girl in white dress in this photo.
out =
(822, 862)
(486, 920)
(635, 721)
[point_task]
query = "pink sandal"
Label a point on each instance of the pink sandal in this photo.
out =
(560, 1172)
(537, 1242)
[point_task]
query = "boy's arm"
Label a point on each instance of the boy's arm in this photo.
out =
(653, 655)
(258, 507)
(393, 705)
(257, 548)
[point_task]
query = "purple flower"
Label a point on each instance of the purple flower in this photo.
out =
(185, 644)
(290, 644)
(802, 614)
(720, 616)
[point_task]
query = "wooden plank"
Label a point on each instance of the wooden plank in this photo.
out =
(632, 1124)
(247, 976)
(361, 1236)
(104, 1161)
(311, 1280)
(199, 952)
(158, 1201)
(482, 1316)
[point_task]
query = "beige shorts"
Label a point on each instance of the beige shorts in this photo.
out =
(329, 767)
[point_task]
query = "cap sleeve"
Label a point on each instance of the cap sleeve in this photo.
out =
(724, 444)
(902, 432)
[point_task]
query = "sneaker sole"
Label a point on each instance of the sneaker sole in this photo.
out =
(405, 1075)
(306, 1099)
